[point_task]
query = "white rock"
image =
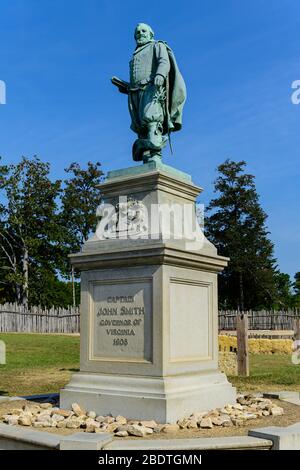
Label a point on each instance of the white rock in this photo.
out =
(217, 421)
(158, 428)
(236, 413)
(136, 430)
(149, 424)
(45, 413)
(248, 416)
(37, 424)
(103, 427)
(109, 419)
(182, 423)
(73, 423)
(57, 417)
(92, 414)
(237, 406)
(47, 424)
(100, 419)
(12, 420)
(34, 409)
(61, 424)
(198, 415)
(112, 427)
(192, 424)
(252, 409)
(206, 423)
(121, 434)
(237, 422)
(90, 429)
(78, 410)
(227, 423)
(224, 417)
(122, 427)
(25, 421)
(262, 406)
(26, 415)
(268, 401)
(64, 413)
(121, 419)
(44, 418)
(45, 406)
(149, 431)
(170, 428)
(16, 411)
(277, 411)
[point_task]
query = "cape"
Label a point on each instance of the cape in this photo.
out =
(176, 94)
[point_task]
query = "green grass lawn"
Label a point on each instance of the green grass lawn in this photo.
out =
(270, 372)
(37, 363)
(44, 363)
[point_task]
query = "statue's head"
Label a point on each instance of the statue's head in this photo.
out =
(143, 33)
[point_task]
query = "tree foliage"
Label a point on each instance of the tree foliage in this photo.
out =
(237, 226)
(41, 223)
(296, 286)
(29, 232)
(284, 298)
(80, 199)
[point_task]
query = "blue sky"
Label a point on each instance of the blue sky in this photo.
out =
(238, 58)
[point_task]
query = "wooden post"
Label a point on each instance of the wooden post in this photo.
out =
(242, 344)
(73, 288)
(297, 329)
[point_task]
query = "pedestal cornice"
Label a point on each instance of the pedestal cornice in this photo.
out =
(149, 255)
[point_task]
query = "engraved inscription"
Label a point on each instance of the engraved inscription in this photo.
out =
(122, 320)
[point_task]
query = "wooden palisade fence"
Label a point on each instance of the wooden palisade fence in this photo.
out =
(16, 318)
(259, 320)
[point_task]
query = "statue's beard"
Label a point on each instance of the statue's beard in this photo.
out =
(142, 40)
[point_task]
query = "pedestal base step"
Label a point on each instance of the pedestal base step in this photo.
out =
(164, 399)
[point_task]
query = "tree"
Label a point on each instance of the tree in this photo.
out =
(47, 290)
(41, 223)
(296, 286)
(29, 231)
(297, 283)
(8, 262)
(80, 200)
(284, 297)
(236, 225)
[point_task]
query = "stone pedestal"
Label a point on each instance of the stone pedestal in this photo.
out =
(149, 325)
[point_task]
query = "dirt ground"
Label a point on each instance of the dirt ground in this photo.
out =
(291, 416)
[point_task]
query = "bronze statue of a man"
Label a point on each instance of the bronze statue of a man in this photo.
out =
(156, 94)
